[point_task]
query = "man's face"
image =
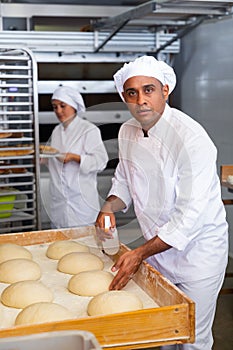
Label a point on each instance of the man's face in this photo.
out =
(146, 99)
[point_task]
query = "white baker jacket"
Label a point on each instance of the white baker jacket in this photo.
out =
(73, 187)
(171, 178)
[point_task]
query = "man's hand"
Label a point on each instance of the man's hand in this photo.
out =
(127, 265)
(102, 232)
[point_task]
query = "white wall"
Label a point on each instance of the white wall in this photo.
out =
(205, 88)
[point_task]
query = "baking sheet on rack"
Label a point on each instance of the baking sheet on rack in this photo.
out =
(58, 282)
(15, 152)
(4, 135)
(50, 155)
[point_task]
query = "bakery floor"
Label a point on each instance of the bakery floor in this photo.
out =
(223, 324)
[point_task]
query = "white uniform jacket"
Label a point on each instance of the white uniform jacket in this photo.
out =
(172, 179)
(73, 186)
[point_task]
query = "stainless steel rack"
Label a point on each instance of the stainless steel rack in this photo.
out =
(19, 142)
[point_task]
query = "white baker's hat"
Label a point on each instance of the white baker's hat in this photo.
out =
(70, 96)
(147, 66)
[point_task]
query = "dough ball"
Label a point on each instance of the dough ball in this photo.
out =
(16, 270)
(90, 283)
(74, 263)
(58, 249)
(42, 312)
(21, 294)
(10, 251)
(113, 301)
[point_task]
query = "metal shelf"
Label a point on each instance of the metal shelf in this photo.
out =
(16, 192)
(21, 139)
(21, 184)
(17, 157)
(16, 228)
(66, 44)
(13, 113)
(24, 150)
(7, 225)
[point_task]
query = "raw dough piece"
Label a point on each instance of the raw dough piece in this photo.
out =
(76, 262)
(16, 270)
(21, 294)
(10, 251)
(58, 249)
(113, 301)
(90, 283)
(42, 312)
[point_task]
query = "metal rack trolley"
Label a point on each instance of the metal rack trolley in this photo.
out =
(19, 141)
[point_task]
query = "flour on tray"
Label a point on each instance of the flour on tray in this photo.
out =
(58, 282)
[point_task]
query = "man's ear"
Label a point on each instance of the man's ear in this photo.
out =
(165, 91)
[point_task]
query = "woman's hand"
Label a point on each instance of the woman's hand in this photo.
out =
(43, 161)
(69, 157)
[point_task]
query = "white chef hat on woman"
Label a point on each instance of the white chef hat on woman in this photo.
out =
(147, 66)
(70, 96)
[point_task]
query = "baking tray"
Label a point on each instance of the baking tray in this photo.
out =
(15, 152)
(51, 155)
(173, 322)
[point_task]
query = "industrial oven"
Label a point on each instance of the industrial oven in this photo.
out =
(103, 107)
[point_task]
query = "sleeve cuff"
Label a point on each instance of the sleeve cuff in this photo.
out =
(174, 238)
(121, 192)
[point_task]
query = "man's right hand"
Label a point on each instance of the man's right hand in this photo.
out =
(102, 232)
(112, 204)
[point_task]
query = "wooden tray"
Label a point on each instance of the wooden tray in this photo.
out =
(170, 323)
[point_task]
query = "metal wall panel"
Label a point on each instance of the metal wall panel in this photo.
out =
(205, 88)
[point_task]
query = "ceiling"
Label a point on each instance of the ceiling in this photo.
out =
(81, 2)
(168, 20)
(127, 14)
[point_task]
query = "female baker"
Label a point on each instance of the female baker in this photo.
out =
(73, 176)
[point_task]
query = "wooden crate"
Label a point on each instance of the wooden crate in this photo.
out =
(173, 322)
